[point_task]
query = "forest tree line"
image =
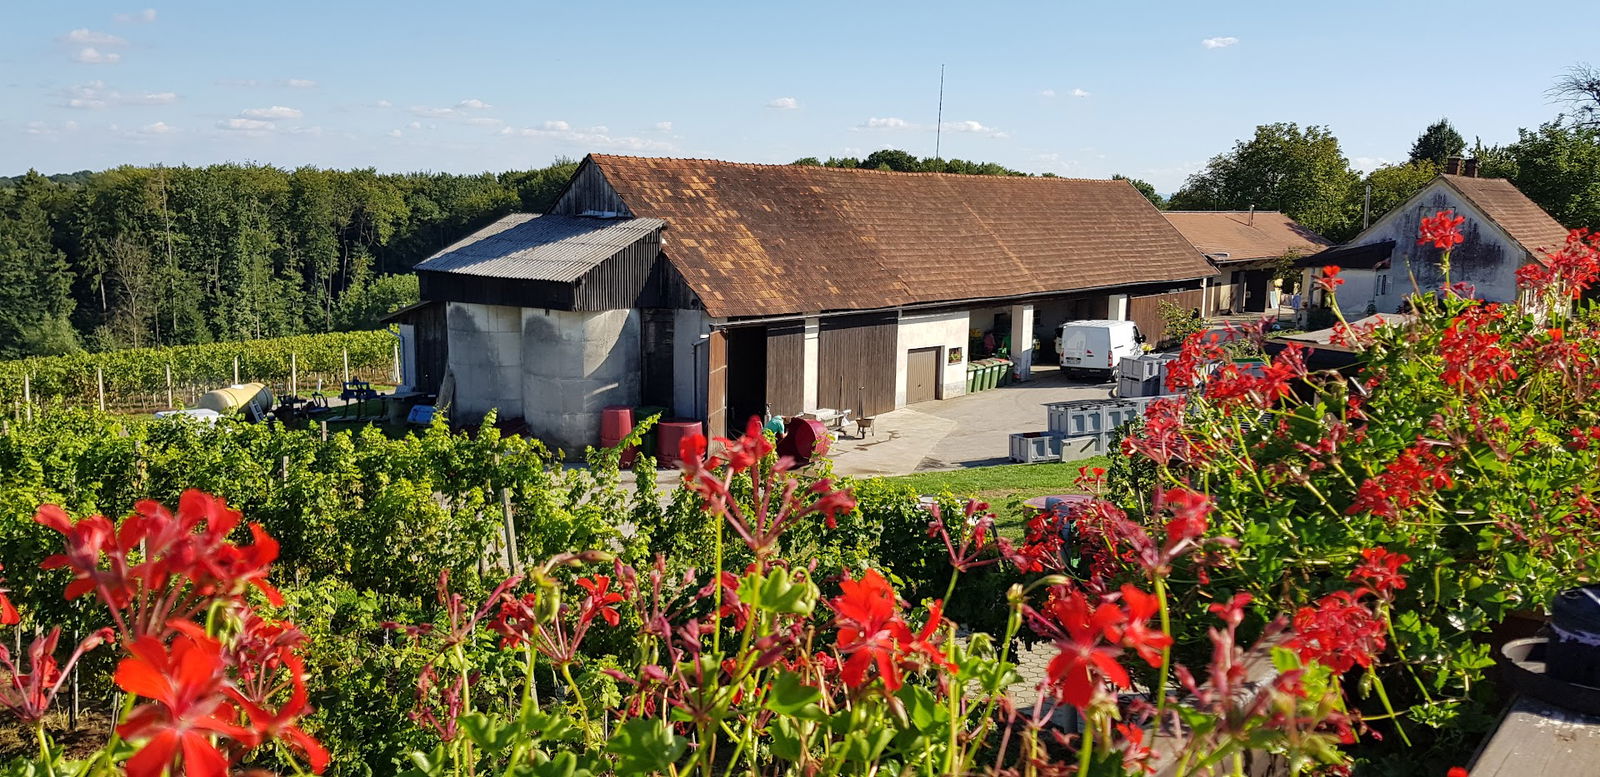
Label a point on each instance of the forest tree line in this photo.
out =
(154, 256)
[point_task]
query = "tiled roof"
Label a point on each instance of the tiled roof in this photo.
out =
(756, 240)
(1508, 207)
(1242, 235)
(540, 248)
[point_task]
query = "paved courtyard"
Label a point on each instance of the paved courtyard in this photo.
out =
(973, 430)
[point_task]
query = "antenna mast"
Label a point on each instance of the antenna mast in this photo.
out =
(938, 126)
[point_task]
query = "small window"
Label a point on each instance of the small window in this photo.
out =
(1383, 284)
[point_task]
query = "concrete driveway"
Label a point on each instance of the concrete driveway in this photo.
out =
(973, 430)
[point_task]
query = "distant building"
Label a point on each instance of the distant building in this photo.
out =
(722, 290)
(1247, 248)
(1503, 231)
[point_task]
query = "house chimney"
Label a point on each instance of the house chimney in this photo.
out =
(1452, 165)
(1469, 168)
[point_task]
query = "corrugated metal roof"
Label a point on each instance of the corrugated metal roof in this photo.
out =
(540, 248)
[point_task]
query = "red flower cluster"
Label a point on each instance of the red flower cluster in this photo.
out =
(1473, 356)
(184, 561)
(1091, 638)
(1570, 270)
(1441, 229)
(1380, 570)
(775, 508)
(1259, 386)
(1582, 439)
(1339, 632)
(599, 600)
(872, 633)
(1329, 280)
(1041, 544)
(1419, 471)
(28, 695)
(209, 699)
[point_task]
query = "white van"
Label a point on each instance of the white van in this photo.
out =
(1097, 346)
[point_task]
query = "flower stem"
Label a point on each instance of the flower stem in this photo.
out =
(1383, 696)
(1166, 652)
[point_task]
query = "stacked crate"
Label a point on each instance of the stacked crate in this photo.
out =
(1077, 430)
(1143, 376)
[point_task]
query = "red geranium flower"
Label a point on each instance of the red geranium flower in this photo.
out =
(873, 634)
(1440, 230)
(1135, 631)
(1330, 279)
(1086, 661)
(599, 600)
(1381, 569)
(185, 685)
(1339, 632)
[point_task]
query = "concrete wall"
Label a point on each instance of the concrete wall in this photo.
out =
(486, 358)
(941, 330)
(574, 364)
(1488, 259)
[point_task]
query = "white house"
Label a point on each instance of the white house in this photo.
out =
(1503, 231)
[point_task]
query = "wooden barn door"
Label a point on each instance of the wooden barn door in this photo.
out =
(717, 384)
(855, 363)
(1145, 312)
(786, 354)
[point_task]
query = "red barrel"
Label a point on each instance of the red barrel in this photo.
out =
(804, 438)
(616, 421)
(671, 434)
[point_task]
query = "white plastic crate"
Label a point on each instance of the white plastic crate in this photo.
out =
(1075, 418)
(1034, 447)
(1078, 448)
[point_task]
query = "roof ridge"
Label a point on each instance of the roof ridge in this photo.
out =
(1024, 177)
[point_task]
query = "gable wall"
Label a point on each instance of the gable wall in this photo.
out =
(1488, 259)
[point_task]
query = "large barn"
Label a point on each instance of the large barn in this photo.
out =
(722, 290)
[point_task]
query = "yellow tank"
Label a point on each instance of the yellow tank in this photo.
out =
(253, 400)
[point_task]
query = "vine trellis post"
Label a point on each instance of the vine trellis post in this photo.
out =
(169, 386)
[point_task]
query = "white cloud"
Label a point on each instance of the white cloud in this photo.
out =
(384, 104)
(1219, 43)
(95, 95)
(146, 16)
(44, 128)
(416, 125)
(894, 124)
(1047, 93)
(1367, 164)
(84, 36)
(275, 112)
(432, 113)
(473, 104)
(485, 121)
(93, 56)
(240, 82)
(300, 83)
(158, 128)
(784, 104)
(591, 138)
(967, 126)
(1079, 93)
(246, 125)
(395, 133)
(663, 126)
(151, 98)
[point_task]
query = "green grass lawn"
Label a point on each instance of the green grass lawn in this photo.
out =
(1004, 487)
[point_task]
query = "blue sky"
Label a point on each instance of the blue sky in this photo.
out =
(1150, 90)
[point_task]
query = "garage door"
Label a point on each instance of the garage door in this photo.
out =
(922, 375)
